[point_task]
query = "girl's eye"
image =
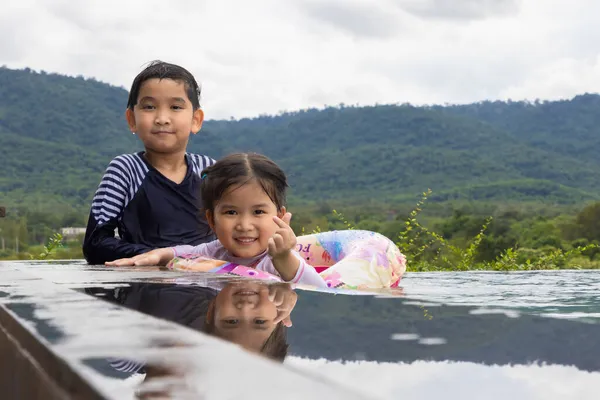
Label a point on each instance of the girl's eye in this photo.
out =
(231, 321)
(230, 212)
(259, 211)
(260, 321)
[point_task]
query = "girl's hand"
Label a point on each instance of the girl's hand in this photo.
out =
(285, 300)
(151, 258)
(284, 238)
(280, 248)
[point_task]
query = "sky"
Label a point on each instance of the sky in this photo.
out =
(267, 56)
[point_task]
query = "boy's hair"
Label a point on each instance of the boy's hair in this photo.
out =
(161, 70)
(239, 169)
(275, 347)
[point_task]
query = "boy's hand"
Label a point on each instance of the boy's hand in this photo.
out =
(284, 238)
(151, 258)
(285, 300)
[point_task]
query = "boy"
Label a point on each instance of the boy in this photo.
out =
(152, 197)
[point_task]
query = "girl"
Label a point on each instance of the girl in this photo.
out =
(244, 202)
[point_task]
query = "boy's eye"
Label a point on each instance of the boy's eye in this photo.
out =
(147, 107)
(259, 211)
(260, 321)
(177, 108)
(231, 321)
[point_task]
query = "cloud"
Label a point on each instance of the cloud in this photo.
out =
(461, 9)
(361, 19)
(456, 381)
(266, 56)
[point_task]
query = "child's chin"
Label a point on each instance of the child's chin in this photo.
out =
(247, 254)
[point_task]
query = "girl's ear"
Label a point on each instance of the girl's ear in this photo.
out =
(210, 314)
(210, 218)
(281, 212)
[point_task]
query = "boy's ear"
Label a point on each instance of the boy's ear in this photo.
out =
(197, 120)
(210, 218)
(130, 117)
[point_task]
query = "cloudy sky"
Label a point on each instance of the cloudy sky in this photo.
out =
(265, 56)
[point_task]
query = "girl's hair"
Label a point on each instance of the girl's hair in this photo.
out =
(238, 169)
(275, 347)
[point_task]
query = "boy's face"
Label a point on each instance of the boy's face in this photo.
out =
(243, 314)
(164, 116)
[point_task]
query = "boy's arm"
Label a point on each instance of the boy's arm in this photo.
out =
(116, 188)
(101, 245)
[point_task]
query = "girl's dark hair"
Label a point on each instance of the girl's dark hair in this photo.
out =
(161, 70)
(275, 347)
(238, 169)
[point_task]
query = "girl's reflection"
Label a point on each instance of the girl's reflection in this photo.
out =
(253, 315)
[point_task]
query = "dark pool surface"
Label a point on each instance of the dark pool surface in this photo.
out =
(532, 335)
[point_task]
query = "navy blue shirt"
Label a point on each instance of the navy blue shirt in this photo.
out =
(148, 210)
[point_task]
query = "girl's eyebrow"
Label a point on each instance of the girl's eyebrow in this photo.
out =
(261, 205)
(228, 327)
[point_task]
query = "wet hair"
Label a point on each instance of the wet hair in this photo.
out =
(239, 169)
(275, 347)
(162, 70)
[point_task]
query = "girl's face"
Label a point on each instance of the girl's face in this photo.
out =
(243, 220)
(243, 314)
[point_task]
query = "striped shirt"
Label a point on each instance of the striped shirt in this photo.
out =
(147, 209)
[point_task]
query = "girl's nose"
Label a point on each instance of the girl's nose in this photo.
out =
(244, 224)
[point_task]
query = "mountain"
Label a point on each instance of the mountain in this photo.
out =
(58, 133)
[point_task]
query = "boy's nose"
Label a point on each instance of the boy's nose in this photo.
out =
(162, 119)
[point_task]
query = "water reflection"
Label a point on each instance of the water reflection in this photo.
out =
(354, 328)
(454, 336)
(252, 314)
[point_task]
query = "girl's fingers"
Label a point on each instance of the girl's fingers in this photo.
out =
(272, 247)
(283, 222)
(287, 218)
(279, 296)
(280, 223)
(278, 240)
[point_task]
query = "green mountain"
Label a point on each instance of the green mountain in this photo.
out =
(58, 133)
